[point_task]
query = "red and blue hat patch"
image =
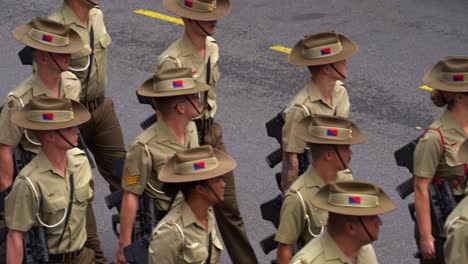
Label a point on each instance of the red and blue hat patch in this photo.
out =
(458, 78)
(188, 3)
(48, 116)
(199, 165)
(325, 51)
(354, 200)
(332, 132)
(47, 38)
(178, 84)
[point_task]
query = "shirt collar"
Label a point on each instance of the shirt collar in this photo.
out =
(165, 133)
(43, 164)
(38, 87)
(312, 179)
(315, 94)
(331, 249)
(189, 218)
(188, 49)
(449, 122)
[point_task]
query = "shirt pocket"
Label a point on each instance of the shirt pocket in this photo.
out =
(103, 42)
(80, 59)
(195, 253)
(318, 218)
(82, 195)
(215, 75)
(450, 156)
(55, 204)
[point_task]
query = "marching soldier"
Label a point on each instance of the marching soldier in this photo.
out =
(353, 223)
(325, 55)
(330, 138)
(55, 188)
(175, 95)
(197, 50)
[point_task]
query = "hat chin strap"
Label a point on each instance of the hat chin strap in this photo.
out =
(214, 193)
(194, 107)
(339, 156)
(66, 140)
(55, 61)
(337, 71)
(365, 228)
(206, 32)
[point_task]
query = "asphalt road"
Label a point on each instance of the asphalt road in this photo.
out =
(399, 40)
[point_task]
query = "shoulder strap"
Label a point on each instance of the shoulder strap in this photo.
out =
(151, 167)
(306, 215)
(91, 58)
(210, 249)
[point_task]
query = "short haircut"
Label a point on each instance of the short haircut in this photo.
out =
(166, 105)
(317, 150)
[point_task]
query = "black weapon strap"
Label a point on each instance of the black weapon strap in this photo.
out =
(210, 249)
(84, 92)
(70, 206)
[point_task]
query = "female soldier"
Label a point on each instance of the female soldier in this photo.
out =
(435, 155)
(187, 234)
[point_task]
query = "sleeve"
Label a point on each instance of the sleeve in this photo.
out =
(343, 105)
(20, 206)
(11, 134)
(137, 169)
(456, 246)
(72, 86)
(367, 255)
(290, 142)
(291, 221)
(427, 154)
(165, 245)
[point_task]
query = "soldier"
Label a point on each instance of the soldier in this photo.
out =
(176, 96)
(456, 225)
(102, 133)
(187, 234)
(353, 223)
(330, 138)
(435, 154)
(55, 188)
(197, 50)
(325, 55)
(51, 44)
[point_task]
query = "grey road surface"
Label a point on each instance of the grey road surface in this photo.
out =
(399, 40)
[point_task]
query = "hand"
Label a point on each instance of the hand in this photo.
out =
(427, 247)
(120, 258)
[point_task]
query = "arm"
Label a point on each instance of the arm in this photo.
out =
(290, 170)
(423, 219)
(6, 166)
(15, 247)
(284, 253)
(127, 219)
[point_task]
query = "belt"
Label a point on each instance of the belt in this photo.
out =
(93, 104)
(64, 256)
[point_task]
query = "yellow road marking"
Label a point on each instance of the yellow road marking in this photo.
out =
(425, 87)
(281, 49)
(418, 127)
(159, 16)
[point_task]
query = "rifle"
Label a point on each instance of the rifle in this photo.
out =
(35, 246)
(441, 199)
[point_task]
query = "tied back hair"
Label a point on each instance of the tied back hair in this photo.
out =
(442, 98)
(171, 189)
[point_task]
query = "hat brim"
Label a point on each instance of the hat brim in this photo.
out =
(301, 131)
(225, 165)
(431, 79)
(296, 58)
(385, 205)
(21, 34)
(223, 8)
(463, 152)
(146, 89)
(80, 116)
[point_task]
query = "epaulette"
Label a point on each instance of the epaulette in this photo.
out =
(147, 135)
(172, 58)
(211, 39)
(69, 75)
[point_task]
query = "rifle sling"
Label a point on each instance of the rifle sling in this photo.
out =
(91, 58)
(210, 248)
(70, 206)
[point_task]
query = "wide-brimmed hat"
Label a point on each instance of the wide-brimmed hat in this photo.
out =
(48, 35)
(450, 74)
(353, 198)
(196, 164)
(324, 129)
(322, 48)
(463, 152)
(203, 10)
(50, 113)
(171, 82)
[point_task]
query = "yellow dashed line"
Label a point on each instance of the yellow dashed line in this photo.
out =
(281, 49)
(418, 127)
(159, 16)
(425, 87)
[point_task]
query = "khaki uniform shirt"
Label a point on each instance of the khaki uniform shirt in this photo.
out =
(182, 53)
(325, 250)
(97, 81)
(311, 98)
(456, 246)
(146, 156)
(12, 135)
(293, 225)
(429, 161)
(53, 193)
(181, 238)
